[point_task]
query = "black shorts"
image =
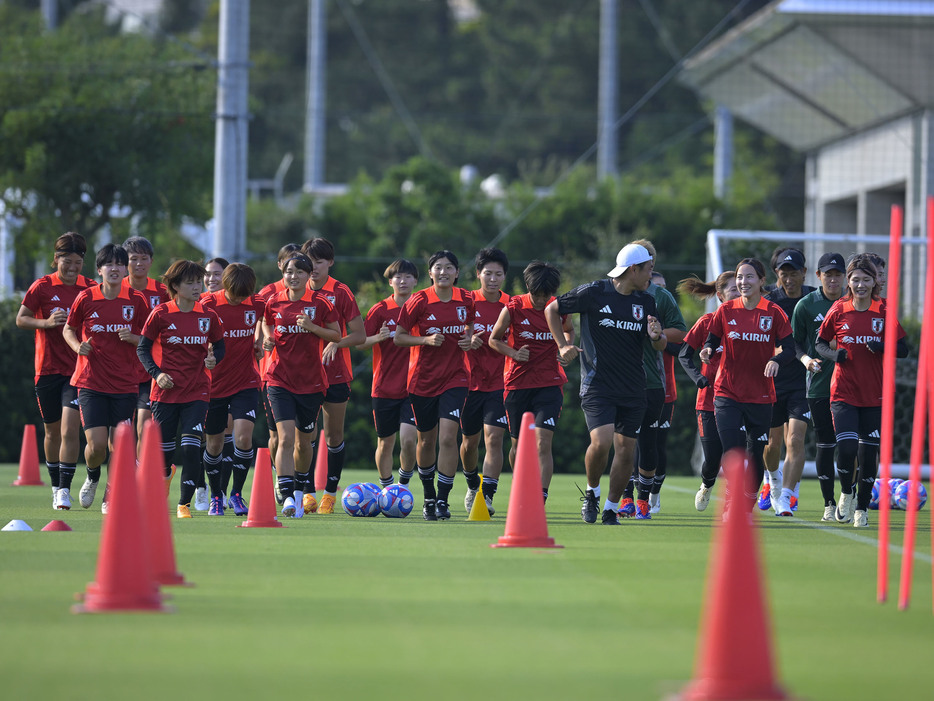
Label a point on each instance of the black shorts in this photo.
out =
(544, 402)
(790, 405)
(189, 416)
(429, 410)
(664, 420)
(626, 418)
(390, 414)
(861, 423)
(53, 393)
(737, 418)
(101, 409)
(142, 398)
(270, 421)
(655, 404)
(483, 409)
(337, 394)
(241, 405)
(822, 420)
(301, 408)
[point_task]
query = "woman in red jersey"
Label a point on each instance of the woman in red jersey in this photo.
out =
(44, 310)
(436, 324)
(724, 287)
(295, 323)
(857, 323)
(181, 343)
(749, 328)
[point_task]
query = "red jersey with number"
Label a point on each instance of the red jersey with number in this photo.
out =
(111, 365)
(695, 339)
(43, 298)
(749, 337)
(155, 293)
(484, 364)
(858, 380)
(341, 298)
(433, 371)
(239, 369)
(528, 327)
(179, 346)
(296, 364)
(390, 362)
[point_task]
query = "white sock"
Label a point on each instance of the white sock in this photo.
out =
(787, 493)
(611, 506)
(595, 490)
(775, 478)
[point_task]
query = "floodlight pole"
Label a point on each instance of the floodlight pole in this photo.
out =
(316, 95)
(607, 92)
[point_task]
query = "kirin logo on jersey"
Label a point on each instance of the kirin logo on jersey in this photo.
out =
(432, 330)
(310, 312)
(847, 340)
(734, 335)
(127, 312)
(97, 328)
(877, 325)
(637, 312)
(462, 313)
(154, 301)
(249, 317)
(204, 324)
(765, 323)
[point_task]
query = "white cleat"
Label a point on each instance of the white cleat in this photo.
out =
(62, 501)
(86, 495)
(702, 498)
(469, 498)
(202, 501)
(845, 508)
(655, 503)
(783, 506)
(288, 507)
(297, 498)
(860, 519)
(829, 513)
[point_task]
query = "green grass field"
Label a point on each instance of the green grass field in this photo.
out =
(339, 607)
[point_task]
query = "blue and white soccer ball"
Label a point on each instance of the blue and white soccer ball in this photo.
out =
(358, 500)
(903, 491)
(874, 499)
(372, 506)
(893, 487)
(396, 501)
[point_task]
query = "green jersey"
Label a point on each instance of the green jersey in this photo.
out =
(670, 317)
(805, 323)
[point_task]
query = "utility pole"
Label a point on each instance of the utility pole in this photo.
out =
(316, 95)
(231, 131)
(723, 152)
(607, 95)
(50, 14)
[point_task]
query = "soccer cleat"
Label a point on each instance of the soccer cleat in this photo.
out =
(217, 506)
(62, 500)
(845, 508)
(288, 507)
(169, 478)
(642, 510)
(105, 504)
(428, 510)
(590, 509)
(829, 513)
(783, 507)
(86, 495)
(469, 498)
(327, 504)
(765, 497)
(860, 519)
(202, 500)
(489, 505)
(309, 503)
(609, 518)
(442, 510)
(794, 502)
(182, 511)
(627, 508)
(299, 500)
(54, 494)
(655, 503)
(702, 498)
(236, 503)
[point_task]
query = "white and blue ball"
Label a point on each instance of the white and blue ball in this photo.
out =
(874, 499)
(904, 490)
(893, 487)
(372, 505)
(396, 501)
(358, 499)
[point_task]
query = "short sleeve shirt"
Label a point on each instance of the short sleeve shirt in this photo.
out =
(695, 339)
(793, 376)
(670, 317)
(238, 370)
(296, 364)
(155, 293)
(484, 364)
(390, 362)
(43, 298)
(528, 327)
(340, 369)
(806, 321)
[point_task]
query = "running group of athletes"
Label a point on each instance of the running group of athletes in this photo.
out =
(452, 367)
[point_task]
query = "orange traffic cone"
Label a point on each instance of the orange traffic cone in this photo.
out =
(262, 513)
(124, 581)
(525, 520)
(29, 460)
(150, 484)
(321, 464)
(734, 658)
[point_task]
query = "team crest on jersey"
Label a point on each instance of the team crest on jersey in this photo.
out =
(462, 313)
(331, 298)
(637, 312)
(310, 312)
(765, 323)
(204, 325)
(877, 325)
(154, 301)
(128, 312)
(249, 317)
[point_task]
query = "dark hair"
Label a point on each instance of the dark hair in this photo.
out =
(756, 265)
(69, 243)
(179, 272)
(111, 253)
(864, 262)
(318, 249)
(876, 259)
(438, 255)
(302, 262)
(492, 255)
(239, 280)
(541, 279)
(696, 287)
(287, 251)
(138, 245)
(401, 266)
(220, 261)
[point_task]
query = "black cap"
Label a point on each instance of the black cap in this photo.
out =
(790, 257)
(831, 261)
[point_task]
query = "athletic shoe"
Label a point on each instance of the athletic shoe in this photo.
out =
(288, 507)
(182, 511)
(86, 495)
(105, 504)
(860, 519)
(327, 504)
(202, 500)
(309, 503)
(794, 502)
(627, 508)
(489, 505)
(299, 500)
(783, 507)
(236, 503)
(702, 498)
(275, 480)
(217, 506)
(642, 510)
(829, 513)
(442, 510)
(590, 509)
(54, 494)
(62, 500)
(469, 498)
(428, 510)
(655, 503)
(609, 518)
(845, 508)
(168, 480)
(765, 497)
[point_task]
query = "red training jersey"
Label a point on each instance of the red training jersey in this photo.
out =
(695, 339)
(296, 364)
(390, 362)
(45, 296)
(484, 364)
(671, 389)
(112, 363)
(155, 293)
(269, 291)
(858, 380)
(239, 369)
(527, 327)
(341, 298)
(433, 371)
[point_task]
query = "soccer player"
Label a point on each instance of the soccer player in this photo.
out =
(806, 321)
(616, 314)
(235, 385)
(181, 343)
(336, 359)
(725, 289)
(436, 324)
(749, 328)
(392, 412)
(483, 409)
(791, 413)
(534, 379)
(295, 322)
(103, 329)
(45, 310)
(857, 323)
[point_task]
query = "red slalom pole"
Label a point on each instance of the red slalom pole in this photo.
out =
(894, 270)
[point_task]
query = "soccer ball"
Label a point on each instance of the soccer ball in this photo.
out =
(358, 499)
(372, 505)
(893, 487)
(903, 491)
(396, 501)
(874, 499)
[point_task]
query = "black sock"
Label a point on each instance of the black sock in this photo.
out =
(301, 479)
(191, 468)
(489, 487)
(544, 495)
(405, 475)
(309, 487)
(385, 481)
(630, 488)
(241, 468)
(212, 466)
(846, 464)
(94, 473)
(427, 476)
(868, 453)
(825, 472)
(473, 479)
(645, 486)
(445, 484)
(335, 468)
(286, 486)
(227, 463)
(54, 472)
(658, 482)
(66, 473)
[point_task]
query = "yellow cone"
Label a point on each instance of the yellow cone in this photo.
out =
(478, 510)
